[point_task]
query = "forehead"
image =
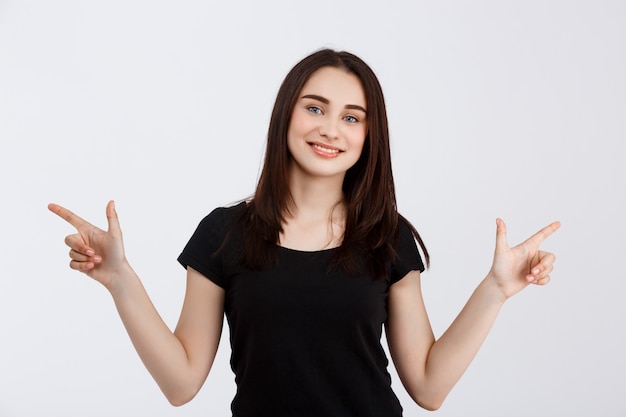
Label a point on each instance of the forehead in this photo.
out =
(336, 84)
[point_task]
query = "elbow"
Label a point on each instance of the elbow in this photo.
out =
(429, 402)
(180, 397)
(430, 405)
(178, 401)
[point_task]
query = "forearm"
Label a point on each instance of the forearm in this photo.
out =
(429, 369)
(161, 351)
(179, 361)
(452, 353)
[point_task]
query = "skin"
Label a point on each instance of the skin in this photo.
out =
(329, 114)
(180, 361)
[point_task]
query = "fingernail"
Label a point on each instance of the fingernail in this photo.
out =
(90, 252)
(536, 271)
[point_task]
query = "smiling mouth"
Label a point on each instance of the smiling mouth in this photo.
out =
(324, 149)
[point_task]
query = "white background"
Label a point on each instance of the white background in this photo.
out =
(497, 108)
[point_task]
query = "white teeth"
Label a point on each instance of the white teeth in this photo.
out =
(321, 148)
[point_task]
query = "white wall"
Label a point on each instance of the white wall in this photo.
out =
(497, 108)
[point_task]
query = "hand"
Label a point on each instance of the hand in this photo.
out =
(515, 268)
(93, 251)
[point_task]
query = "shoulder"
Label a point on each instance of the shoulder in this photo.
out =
(404, 229)
(222, 218)
(227, 213)
(206, 249)
(408, 257)
(215, 227)
(405, 236)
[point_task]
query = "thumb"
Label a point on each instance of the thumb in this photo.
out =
(114, 224)
(501, 243)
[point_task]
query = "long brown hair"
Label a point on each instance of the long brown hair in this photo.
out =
(371, 218)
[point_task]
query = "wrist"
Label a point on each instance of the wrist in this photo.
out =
(119, 278)
(493, 289)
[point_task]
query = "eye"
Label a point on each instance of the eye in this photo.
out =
(314, 109)
(350, 119)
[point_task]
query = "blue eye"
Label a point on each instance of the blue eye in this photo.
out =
(314, 109)
(350, 119)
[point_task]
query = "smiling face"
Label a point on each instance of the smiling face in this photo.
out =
(328, 124)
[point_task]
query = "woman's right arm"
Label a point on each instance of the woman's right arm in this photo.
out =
(179, 361)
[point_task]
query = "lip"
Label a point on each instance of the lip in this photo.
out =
(327, 151)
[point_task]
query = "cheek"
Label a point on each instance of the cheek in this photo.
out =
(292, 131)
(300, 123)
(295, 134)
(358, 140)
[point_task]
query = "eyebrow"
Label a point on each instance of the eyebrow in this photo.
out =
(326, 101)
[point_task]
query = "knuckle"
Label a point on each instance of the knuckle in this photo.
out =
(70, 240)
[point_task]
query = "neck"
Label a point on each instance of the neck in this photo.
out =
(317, 197)
(316, 214)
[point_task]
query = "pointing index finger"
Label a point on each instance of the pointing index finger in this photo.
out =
(543, 234)
(67, 215)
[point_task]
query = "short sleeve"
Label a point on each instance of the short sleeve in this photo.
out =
(202, 252)
(409, 258)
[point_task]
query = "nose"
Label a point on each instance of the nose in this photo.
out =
(329, 128)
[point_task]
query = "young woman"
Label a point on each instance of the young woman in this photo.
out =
(309, 269)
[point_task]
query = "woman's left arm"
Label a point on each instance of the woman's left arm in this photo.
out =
(429, 368)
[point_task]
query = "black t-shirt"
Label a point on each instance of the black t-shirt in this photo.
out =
(305, 340)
